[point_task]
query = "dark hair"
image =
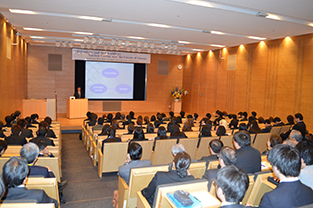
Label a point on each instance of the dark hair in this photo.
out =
(275, 139)
(243, 127)
(29, 120)
(162, 132)
(277, 119)
(115, 124)
(100, 121)
(286, 159)
(255, 127)
(1, 125)
(253, 113)
(261, 120)
(228, 155)
(138, 134)
(117, 115)
(17, 113)
(132, 114)
(189, 116)
(216, 145)
(159, 117)
(157, 123)
(139, 121)
(195, 116)
(251, 118)
(146, 119)
(299, 116)
(105, 129)
(290, 119)
(208, 115)
(221, 131)
(182, 162)
(110, 117)
(14, 172)
(187, 126)
(175, 131)
(150, 128)
(42, 144)
(242, 138)
(139, 117)
(182, 113)
(306, 151)
(245, 114)
(152, 118)
(22, 123)
(3, 145)
(42, 131)
(134, 151)
(206, 131)
(170, 126)
(8, 119)
(88, 114)
(48, 120)
(234, 183)
(16, 129)
(43, 124)
(111, 132)
(234, 116)
(267, 121)
(171, 113)
(131, 128)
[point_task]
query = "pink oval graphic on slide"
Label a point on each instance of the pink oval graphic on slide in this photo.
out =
(123, 88)
(110, 73)
(98, 88)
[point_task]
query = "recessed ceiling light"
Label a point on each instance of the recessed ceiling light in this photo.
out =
(19, 11)
(37, 37)
(183, 42)
(256, 38)
(311, 24)
(271, 16)
(83, 33)
(133, 37)
(158, 25)
(199, 3)
(33, 29)
(217, 32)
(90, 18)
(216, 45)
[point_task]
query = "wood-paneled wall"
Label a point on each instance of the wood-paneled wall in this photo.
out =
(13, 72)
(42, 83)
(273, 78)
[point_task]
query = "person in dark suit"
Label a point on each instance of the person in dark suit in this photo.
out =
(271, 142)
(111, 137)
(79, 93)
(50, 132)
(290, 192)
(268, 126)
(278, 122)
(300, 126)
(179, 174)
(215, 147)
(227, 156)
(3, 147)
(99, 124)
(231, 186)
(14, 173)
(2, 135)
(248, 158)
(16, 138)
(8, 120)
(41, 134)
(34, 118)
(28, 133)
(139, 135)
(43, 149)
(234, 122)
(176, 133)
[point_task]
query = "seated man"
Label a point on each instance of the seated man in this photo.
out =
(3, 147)
(2, 135)
(99, 125)
(290, 192)
(215, 146)
(306, 153)
(278, 122)
(231, 186)
(268, 126)
(47, 124)
(42, 134)
(248, 158)
(134, 154)
(16, 138)
(227, 156)
(43, 149)
(300, 126)
(15, 173)
(25, 131)
(296, 136)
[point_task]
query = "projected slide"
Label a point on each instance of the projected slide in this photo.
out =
(105, 80)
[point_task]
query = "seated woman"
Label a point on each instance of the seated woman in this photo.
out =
(271, 142)
(254, 127)
(243, 126)
(234, 122)
(150, 128)
(138, 135)
(205, 131)
(221, 131)
(105, 129)
(111, 137)
(187, 126)
(146, 119)
(139, 123)
(170, 126)
(179, 173)
(162, 133)
(176, 133)
(130, 128)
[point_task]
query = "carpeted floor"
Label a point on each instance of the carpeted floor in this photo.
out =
(84, 188)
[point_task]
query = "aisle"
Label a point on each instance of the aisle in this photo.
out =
(84, 188)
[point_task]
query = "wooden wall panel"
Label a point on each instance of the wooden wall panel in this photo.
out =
(273, 78)
(13, 72)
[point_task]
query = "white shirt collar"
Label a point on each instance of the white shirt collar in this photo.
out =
(292, 179)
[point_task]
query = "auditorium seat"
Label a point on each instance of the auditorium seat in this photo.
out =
(227, 141)
(197, 169)
(146, 149)
(261, 141)
(203, 149)
(190, 145)
(163, 152)
(275, 130)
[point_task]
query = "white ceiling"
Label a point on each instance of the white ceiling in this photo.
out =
(237, 25)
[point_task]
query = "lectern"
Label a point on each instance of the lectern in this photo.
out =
(76, 108)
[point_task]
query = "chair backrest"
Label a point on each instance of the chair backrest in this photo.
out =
(275, 130)
(227, 141)
(197, 169)
(113, 156)
(52, 163)
(27, 205)
(192, 134)
(260, 141)
(163, 151)
(285, 128)
(190, 145)
(49, 185)
(146, 149)
(213, 164)
(140, 179)
(251, 183)
(203, 147)
(126, 137)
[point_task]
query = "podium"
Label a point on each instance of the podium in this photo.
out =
(176, 107)
(76, 108)
(43, 107)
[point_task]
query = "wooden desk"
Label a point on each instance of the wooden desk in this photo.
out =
(176, 107)
(76, 108)
(31, 106)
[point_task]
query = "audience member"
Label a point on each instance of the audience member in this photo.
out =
(29, 122)
(16, 138)
(179, 174)
(115, 124)
(50, 132)
(182, 114)
(14, 174)
(231, 186)
(170, 126)
(254, 127)
(306, 153)
(271, 142)
(43, 149)
(105, 129)
(8, 121)
(25, 132)
(245, 115)
(290, 192)
(41, 134)
(278, 122)
(248, 158)
(138, 135)
(268, 126)
(146, 120)
(260, 120)
(234, 122)
(176, 133)
(2, 135)
(296, 135)
(243, 127)
(99, 124)
(111, 137)
(291, 120)
(150, 128)
(205, 131)
(187, 126)
(34, 118)
(215, 147)
(300, 126)
(3, 147)
(221, 131)
(227, 156)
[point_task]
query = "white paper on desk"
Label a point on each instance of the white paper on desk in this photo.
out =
(205, 198)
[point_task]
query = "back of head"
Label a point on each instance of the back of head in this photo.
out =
(157, 123)
(131, 127)
(178, 148)
(100, 121)
(161, 131)
(245, 114)
(208, 115)
(234, 183)
(206, 131)
(8, 119)
(17, 113)
(299, 116)
(253, 113)
(146, 119)
(42, 144)
(110, 116)
(139, 122)
(111, 132)
(132, 114)
(306, 151)
(117, 115)
(170, 126)
(286, 159)
(195, 116)
(274, 140)
(187, 126)
(277, 119)
(189, 116)
(220, 131)
(251, 118)
(290, 119)
(30, 152)
(175, 130)
(260, 120)
(182, 162)
(242, 138)
(171, 113)
(152, 118)
(42, 131)
(16, 129)
(22, 123)
(48, 120)
(150, 128)
(134, 151)
(243, 127)
(105, 129)
(216, 145)
(267, 121)
(182, 114)
(94, 117)
(28, 119)
(43, 124)
(295, 134)
(138, 133)
(1, 125)
(14, 172)
(3, 145)
(228, 155)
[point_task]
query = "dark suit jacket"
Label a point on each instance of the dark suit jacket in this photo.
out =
(209, 174)
(51, 134)
(82, 95)
(15, 140)
(49, 141)
(248, 159)
(24, 193)
(40, 171)
(2, 135)
(124, 170)
(279, 124)
(28, 133)
(162, 178)
(232, 206)
(267, 129)
(288, 194)
(300, 126)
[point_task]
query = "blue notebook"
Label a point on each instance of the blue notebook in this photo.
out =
(196, 203)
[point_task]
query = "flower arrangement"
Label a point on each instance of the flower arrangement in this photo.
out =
(177, 93)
